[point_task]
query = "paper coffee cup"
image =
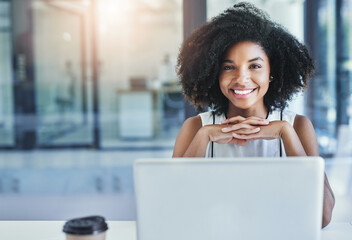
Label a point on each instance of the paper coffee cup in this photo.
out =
(86, 228)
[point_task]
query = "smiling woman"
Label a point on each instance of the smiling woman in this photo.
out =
(246, 67)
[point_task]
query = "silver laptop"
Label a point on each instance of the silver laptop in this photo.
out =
(229, 199)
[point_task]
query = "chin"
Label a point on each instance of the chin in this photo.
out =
(242, 107)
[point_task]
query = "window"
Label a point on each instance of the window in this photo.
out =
(141, 104)
(6, 94)
(58, 61)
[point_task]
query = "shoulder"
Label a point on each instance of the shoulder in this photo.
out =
(305, 132)
(193, 122)
(184, 138)
(301, 121)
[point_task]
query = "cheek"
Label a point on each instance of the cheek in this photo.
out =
(222, 81)
(225, 78)
(221, 85)
(264, 85)
(263, 80)
(264, 88)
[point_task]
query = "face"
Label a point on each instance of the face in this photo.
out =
(244, 76)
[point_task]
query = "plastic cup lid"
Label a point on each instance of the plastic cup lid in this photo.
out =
(86, 225)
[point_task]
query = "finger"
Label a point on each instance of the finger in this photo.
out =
(233, 120)
(256, 118)
(245, 136)
(239, 119)
(235, 127)
(256, 121)
(247, 130)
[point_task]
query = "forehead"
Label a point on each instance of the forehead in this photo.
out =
(245, 49)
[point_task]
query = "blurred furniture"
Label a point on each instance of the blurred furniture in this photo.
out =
(136, 114)
(141, 111)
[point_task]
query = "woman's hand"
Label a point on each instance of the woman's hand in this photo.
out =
(193, 138)
(273, 130)
(237, 124)
(250, 120)
(215, 134)
(244, 128)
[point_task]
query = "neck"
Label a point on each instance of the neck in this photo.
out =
(257, 112)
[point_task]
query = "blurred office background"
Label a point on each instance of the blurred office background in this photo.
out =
(88, 86)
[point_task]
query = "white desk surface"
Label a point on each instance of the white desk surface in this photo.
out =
(52, 230)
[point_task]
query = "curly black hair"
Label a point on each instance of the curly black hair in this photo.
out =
(201, 56)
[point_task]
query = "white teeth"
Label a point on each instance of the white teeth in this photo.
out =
(242, 92)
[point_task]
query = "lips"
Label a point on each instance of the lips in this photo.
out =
(243, 92)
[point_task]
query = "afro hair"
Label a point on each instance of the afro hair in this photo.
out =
(201, 56)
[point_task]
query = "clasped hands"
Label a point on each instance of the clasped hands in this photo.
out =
(238, 130)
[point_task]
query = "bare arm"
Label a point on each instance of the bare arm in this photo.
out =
(306, 134)
(190, 141)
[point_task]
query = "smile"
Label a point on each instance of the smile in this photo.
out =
(243, 92)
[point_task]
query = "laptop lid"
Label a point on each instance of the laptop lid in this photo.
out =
(223, 199)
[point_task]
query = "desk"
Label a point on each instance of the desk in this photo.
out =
(119, 230)
(141, 111)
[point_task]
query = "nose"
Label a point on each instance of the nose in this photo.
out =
(242, 76)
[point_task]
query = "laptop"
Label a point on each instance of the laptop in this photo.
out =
(229, 199)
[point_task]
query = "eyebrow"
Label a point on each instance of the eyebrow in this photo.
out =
(255, 59)
(251, 60)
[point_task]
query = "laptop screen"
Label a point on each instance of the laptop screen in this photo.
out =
(247, 198)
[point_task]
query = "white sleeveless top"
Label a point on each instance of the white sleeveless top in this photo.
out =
(256, 148)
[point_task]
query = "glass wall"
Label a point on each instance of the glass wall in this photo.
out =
(347, 19)
(64, 116)
(345, 63)
(329, 96)
(141, 104)
(323, 93)
(49, 58)
(6, 94)
(48, 100)
(137, 101)
(344, 79)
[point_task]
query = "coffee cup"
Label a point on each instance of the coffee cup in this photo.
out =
(86, 228)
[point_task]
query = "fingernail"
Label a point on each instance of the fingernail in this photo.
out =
(224, 129)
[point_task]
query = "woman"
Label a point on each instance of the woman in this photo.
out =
(247, 68)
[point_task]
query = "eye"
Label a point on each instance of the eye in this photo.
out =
(228, 67)
(255, 66)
